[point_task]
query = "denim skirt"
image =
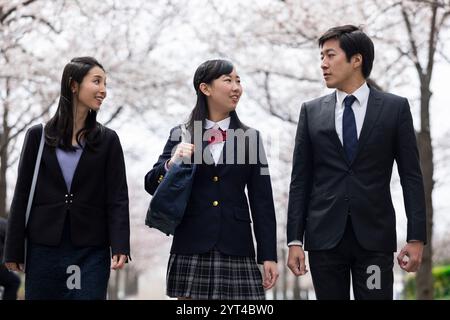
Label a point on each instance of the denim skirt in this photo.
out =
(66, 272)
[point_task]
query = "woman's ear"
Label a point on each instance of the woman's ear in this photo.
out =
(74, 87)
(204, 88)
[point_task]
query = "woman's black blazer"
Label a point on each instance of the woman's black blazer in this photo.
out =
(97, 203)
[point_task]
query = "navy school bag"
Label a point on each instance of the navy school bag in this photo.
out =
(170, 199)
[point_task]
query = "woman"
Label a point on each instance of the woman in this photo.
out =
(79, 215)
(212, 254)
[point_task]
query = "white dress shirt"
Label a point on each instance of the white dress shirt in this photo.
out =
(216, 148)
(359, 109)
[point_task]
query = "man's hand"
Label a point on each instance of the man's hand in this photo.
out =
(413, 252)
(296, 260)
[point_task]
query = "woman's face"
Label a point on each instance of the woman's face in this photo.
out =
(92, 90)
(224, 92)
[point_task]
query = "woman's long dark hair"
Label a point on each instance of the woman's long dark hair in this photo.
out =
(206, 73)
(59, 129)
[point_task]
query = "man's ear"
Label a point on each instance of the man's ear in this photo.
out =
(204, 88)
(357, 60)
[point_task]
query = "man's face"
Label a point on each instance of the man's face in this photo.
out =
(336, 70)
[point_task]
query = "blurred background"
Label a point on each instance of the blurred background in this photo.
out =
(150, 50)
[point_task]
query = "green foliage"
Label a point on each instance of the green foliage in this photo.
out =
(441, 284)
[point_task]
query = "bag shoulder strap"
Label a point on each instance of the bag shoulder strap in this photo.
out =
(184, 133)
(35, 175)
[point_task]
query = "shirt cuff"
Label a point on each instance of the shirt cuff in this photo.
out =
(295, 243)
(166, 167)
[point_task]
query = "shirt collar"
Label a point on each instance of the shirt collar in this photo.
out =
(361, 94)
(223, 124)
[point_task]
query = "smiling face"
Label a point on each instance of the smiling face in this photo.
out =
(223, 93)
(337, 71)
(91, 92)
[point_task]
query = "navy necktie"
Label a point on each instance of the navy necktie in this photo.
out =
(349, 133)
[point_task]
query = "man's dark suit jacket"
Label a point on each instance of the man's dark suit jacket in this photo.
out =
(217, 214)
(326, 188)
(97, 202)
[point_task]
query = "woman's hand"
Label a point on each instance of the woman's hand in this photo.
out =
(270, 274)
(184, 150)
(118, 261)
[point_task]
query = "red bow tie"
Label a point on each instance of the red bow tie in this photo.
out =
(216, 136)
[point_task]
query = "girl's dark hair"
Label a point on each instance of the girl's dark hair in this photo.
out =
(206, 73)
(59, 129)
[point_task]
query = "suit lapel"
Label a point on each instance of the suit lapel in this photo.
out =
(222, 163)
(223, 159)
(373, 111)
(52, 160)
(84, 154)
(207, 158)
(49, 157)
(329, 107)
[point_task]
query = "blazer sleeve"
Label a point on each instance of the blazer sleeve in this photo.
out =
(15, 235)
(301, 180)
(408, 165)
(260, 195)
(154, 177)
(117, 199)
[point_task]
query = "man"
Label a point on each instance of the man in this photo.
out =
(339, 198)
(8, 280)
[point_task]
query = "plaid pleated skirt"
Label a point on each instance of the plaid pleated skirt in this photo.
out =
(214, 276)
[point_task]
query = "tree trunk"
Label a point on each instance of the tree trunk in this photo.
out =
(113, 286)
(296, 291)
(275, 291)
(4, 136)
(284, 274)
(131, 281)
(424, 278)
(3, 166)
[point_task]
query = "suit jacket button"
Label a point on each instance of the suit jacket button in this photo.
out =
(346, 198)
(215, 178)
(215, 203)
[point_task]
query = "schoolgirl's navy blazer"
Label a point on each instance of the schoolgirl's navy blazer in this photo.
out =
(218, 213)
